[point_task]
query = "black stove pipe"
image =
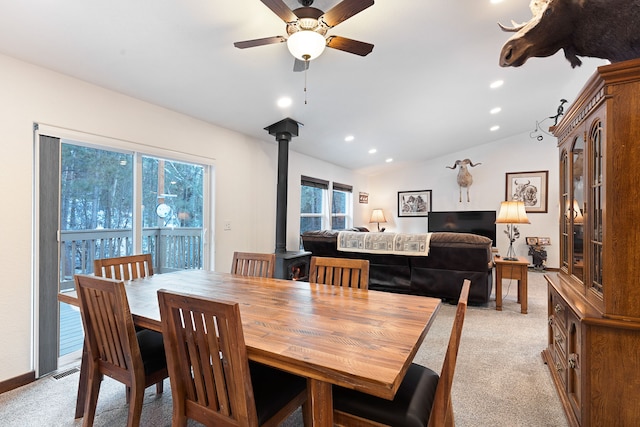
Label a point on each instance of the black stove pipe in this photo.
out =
(283, 130)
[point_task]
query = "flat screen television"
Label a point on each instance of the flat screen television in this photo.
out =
(475, 222)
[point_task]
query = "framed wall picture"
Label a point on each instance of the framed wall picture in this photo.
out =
(532, 241)
(530, 188)
(414, 203)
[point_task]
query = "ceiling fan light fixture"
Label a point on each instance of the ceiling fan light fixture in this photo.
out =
(306, 45)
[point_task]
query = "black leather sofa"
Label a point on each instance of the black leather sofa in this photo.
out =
(452, 258)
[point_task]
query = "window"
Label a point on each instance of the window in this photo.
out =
(314, 201)
(321, 210)
(97, 218)
(341, 206)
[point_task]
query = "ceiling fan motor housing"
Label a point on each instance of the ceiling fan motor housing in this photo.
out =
(307, 21)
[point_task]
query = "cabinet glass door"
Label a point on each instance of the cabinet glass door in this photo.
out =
(596, 205)
(577, 205)
(565, 222)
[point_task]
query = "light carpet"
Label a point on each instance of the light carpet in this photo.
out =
(500, 378)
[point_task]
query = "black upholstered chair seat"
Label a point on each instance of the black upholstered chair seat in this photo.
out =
(411, 406)
(151, 350)
(272, 389)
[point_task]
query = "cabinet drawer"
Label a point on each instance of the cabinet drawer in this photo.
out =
(559, 309)
(560, 341)
(560, 365)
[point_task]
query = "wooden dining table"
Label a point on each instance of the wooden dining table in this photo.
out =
(360, 339)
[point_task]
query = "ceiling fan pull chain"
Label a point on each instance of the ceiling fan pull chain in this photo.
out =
(306, 67)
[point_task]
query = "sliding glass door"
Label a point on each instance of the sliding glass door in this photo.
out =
(112, 203)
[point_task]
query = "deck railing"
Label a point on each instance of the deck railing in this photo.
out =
(171, 249)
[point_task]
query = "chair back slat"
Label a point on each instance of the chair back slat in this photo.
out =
(442, 410)
(129, 267)
(207, 359)
(253, 264)
(347, 272)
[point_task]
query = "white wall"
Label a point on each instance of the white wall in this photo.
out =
(245, 170)
(515, 154)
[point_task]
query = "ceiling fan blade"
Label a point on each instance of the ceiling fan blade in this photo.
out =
(344, 10)
(299, 65)
(349, 45)
(281, 9)
(259, 42)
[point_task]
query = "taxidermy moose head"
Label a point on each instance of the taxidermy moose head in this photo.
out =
(606, 29)
(464, 176)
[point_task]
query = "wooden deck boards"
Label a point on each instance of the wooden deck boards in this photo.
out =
(71, 332)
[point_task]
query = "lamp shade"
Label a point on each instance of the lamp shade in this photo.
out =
(512, 212)
(575, 213)
(306, 44)
(377, 216)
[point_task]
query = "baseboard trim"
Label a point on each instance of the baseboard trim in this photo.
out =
(19, 381)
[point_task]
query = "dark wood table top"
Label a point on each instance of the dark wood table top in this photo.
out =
(354, 338)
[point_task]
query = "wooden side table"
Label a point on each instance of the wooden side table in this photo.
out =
(516, 270)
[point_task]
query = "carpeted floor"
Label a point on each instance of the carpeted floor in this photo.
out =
(500, 377)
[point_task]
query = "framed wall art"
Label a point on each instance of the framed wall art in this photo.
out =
(530, 188)
(414, 203)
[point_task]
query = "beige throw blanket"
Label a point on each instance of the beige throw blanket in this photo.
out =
(384, 243)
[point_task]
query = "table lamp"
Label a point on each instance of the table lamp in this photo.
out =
(512, 213)
(378, 216)
(576, 213)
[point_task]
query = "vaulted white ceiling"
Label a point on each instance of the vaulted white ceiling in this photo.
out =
(422, 93)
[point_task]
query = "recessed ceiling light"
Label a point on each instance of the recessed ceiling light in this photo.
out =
(496, 84)
(349, 138)
(389, 160)
(284, 102)
(496, 1)
(373, 150)
(494, 128)
(495, 110)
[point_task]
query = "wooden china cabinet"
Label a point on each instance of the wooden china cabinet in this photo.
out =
(593, 350)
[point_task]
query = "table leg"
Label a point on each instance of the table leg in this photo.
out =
(499, 288)
(524, 305)
(320, 402)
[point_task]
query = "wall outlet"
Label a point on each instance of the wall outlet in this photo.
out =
(227, 226)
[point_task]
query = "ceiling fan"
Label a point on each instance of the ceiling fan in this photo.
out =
(307, 27)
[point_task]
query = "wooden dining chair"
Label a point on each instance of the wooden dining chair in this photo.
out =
(125, 267)
(212, 380)
(348, 272)
(423, 398)
(253, 264)
(114, 348)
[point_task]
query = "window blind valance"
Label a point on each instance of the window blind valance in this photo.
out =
(314, 182)
(342, 187)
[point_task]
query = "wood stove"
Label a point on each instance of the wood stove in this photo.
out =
(290, 265)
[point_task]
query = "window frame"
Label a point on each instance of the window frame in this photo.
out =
(348, 213)
(327, 214)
